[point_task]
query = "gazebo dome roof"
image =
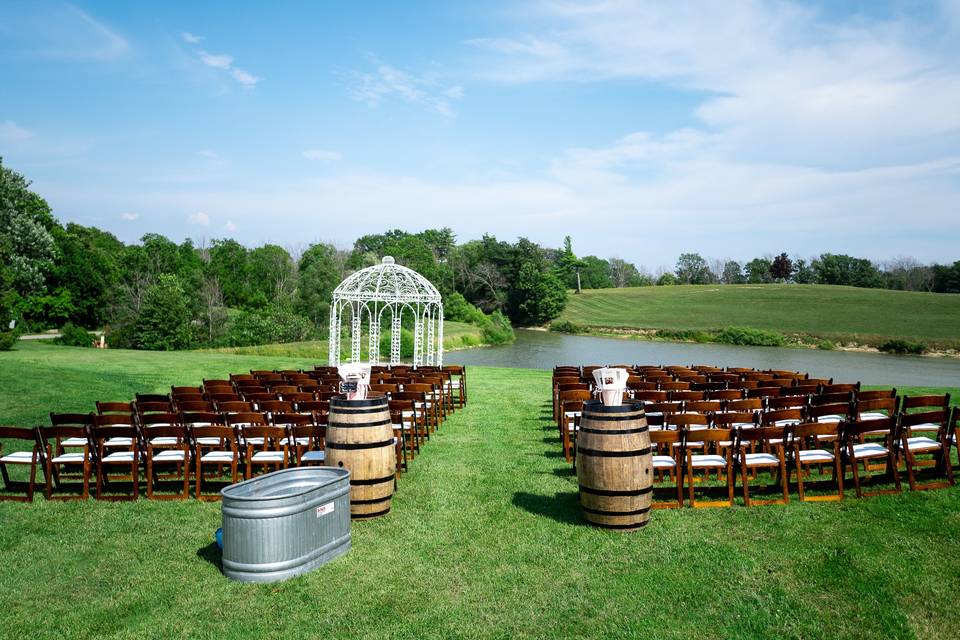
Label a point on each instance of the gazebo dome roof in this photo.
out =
(387, 282)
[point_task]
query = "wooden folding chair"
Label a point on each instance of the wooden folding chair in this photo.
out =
(33, 457)
(264, 446)
(218, 456)
(667, 457)
(707, 462)
(864, 441)
(915, 430)
(308, 442)
(104, 408)
(167, 445)
(770, 456)
(53, 439)
(808, 450)
(116, 447)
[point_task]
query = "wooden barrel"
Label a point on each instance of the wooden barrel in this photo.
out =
(360, 438)
(614, 465)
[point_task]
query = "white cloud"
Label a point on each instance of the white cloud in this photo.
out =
(191, 38)
(199, 218)
(386, 81)
(244, 78)
(129, 216)
(230, 226)
(322, 155)
(10, 133)
(217, 61)
(223, 62)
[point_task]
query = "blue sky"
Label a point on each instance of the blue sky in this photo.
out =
(643, 130)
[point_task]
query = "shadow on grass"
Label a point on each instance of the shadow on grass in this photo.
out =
(563, 507)
(565, 472)
(550, 453)
(211, 553)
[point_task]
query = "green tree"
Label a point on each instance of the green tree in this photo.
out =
(164, 320)
(595, 273)
(666, 279)
(847, 270)
(27, 249)
(270, 273)
(319, 275)
(758, 271)
(87, 271)
(538, 295)
(732, 272)
(802, 273)
(229, 263)
(693, 269)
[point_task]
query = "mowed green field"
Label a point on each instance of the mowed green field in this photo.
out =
(831, 312)
(485, 540)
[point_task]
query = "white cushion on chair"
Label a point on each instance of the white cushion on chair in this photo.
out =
(74, 442)
(663, 462)
(872, 415)
(209, 441)
(218, 456)
(313, 456)
(926, 426)
(170, 455)
(922, 443)
(869, 450)
(19, 457)
(760, 459)
(403, 427)
(571, 414)
(815, 455)
(267, 456)
(69, 457)
(785, 423)
(119, 456)
(163, 440)
(118, 442)
(830, 418)
(707, 460)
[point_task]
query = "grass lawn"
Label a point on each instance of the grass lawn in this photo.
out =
(865, 316)
(484, 540)
(456, 335)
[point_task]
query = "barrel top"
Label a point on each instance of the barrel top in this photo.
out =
(374, 400)
(285, 484)
(597, 406)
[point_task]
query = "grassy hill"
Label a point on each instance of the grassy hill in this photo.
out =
(485, 540)
(865, 316)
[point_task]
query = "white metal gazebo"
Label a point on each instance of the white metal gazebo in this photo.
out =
(369, 295)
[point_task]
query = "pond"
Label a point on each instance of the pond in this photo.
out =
(544, 350)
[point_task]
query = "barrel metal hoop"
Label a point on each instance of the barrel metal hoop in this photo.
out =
(602, 417)
(364, 481)
(601, 512)
(351, 412)
(636, 525)
(364, 516)
(358, 425)
(358, 445)
(613, 454)
(613, 493)
(374, 501)
(613, 432)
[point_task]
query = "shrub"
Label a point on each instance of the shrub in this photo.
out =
(468, 340)
(8, 339)
(898, 345)
(73, 336)
(164, 320)
(826, 345)
(496, 329)
(457, 309)
(565, 326)
(684, 335)
(267, 326)
(406, 344)
(748, 336)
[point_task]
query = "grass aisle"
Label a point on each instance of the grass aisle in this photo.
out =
(485, 540)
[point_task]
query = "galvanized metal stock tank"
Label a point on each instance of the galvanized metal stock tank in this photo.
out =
(285, 523)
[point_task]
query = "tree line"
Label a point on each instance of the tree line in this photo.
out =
(159, 294)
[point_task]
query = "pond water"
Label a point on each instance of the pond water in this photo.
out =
(544, 350)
